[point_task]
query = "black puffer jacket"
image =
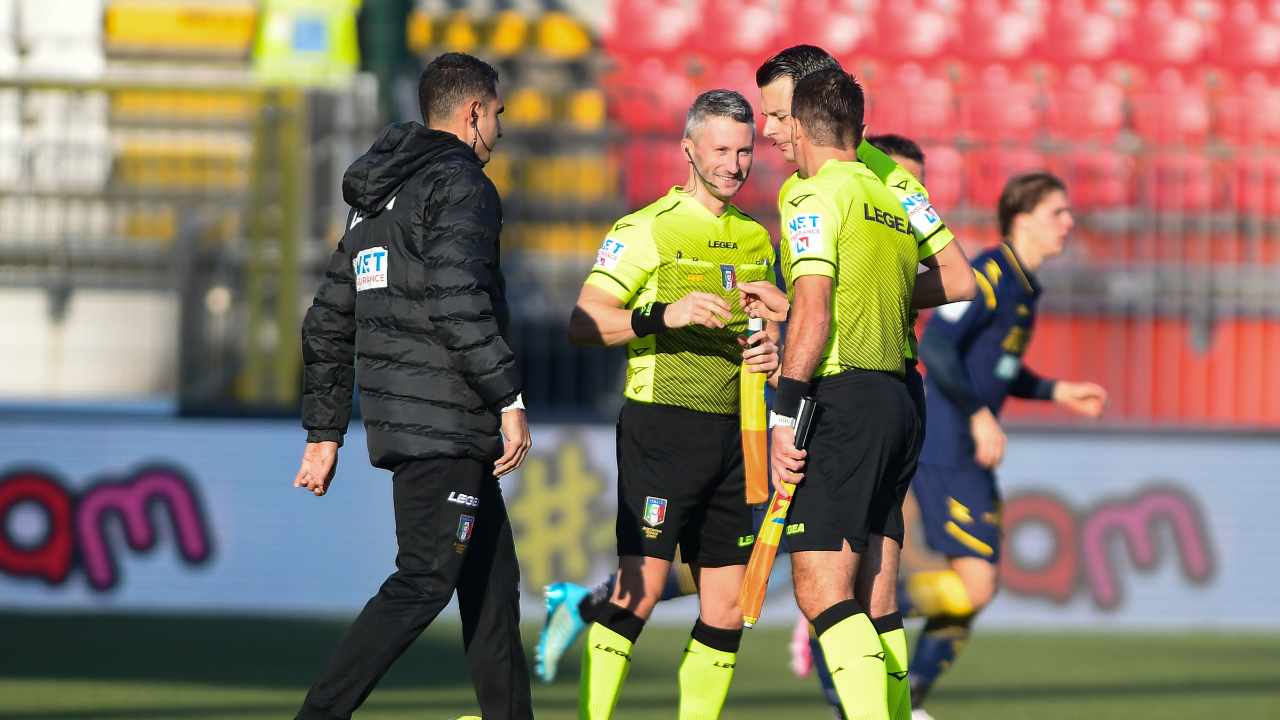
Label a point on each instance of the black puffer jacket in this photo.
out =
(414, 298)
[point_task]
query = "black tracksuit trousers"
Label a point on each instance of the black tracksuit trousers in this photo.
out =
(453, 532)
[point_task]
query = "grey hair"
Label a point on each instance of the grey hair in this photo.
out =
(718, 103)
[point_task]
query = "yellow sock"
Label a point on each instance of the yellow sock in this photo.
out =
(705, 675)
(606, 659)
(856, 660)
(894, 643)
(937, 592)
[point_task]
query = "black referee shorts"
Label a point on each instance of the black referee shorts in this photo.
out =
(681, 482)
(861, 458)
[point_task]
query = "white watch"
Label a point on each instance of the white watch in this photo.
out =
(776, 420)
(517, 404)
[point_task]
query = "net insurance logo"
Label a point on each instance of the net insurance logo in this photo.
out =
(70, 529)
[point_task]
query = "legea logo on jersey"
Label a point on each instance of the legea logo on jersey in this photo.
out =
(371, 268)
(806, 233)
(921, 213)
(609, 253)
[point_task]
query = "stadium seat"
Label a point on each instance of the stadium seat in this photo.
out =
(1250, 37)
(418, 32)
(989, 168)
(843, 27)
(648, 95)
(651, 168)
(561, 37)
(1097, 179)
(1249, 113)
(944, 176)
(458, 33)
(528, 106)
(643, 28)
(913, 102)
(1080, 32)
(1255, 184)
(1164, 36)
(997, 30)
(742, 29)
(1082, 106)
(585, 109)
(919, 30)
(509, 34)
(1177, 181)
(997, 106)
(1171, 110)
(738, 74)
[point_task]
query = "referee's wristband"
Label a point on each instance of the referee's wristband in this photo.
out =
(786, 401)
(647, 319)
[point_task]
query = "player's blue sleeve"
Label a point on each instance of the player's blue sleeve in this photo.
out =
(953, 327)
(1030, 386)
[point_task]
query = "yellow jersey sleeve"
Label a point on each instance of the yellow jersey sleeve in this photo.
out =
(625, 261)
(810, 227)
(930, 232)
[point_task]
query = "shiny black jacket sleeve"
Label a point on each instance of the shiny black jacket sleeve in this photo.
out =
(328, 352)
(466, 295)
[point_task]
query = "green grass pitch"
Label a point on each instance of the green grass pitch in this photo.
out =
(78, 667)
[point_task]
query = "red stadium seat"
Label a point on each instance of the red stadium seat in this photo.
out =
(648, 96)
(742, 28)
(1177, 182)
(1163, 36)
(842, 27)
(998, 106)
(1097, 179)
(1171, 111)
(944, 176)
(641, 28)
(737, 75)
(989, 169)
(1250, 38)
(1084, 107)
(919, 30)
(1081, 32)
(1249, 113)
(1255, 185)
(997, 30)
(914, 103)
(651, 168)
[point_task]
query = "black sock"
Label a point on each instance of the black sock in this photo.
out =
(620, 620)
(721, 639)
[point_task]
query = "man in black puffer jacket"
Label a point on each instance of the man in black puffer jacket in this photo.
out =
(414, 298)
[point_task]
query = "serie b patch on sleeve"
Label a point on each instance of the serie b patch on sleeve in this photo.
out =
(609, 253)
(924, 219)
(805, 232)
(370, 268)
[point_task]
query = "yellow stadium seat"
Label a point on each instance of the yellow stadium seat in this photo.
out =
(528, 107)
(184, 163)
(499, 171)
(154, 225)
(586, 109)
(562, 37)
(224, 106)
(185, 27)
(510, 33)
(459, 34)
(418, 32)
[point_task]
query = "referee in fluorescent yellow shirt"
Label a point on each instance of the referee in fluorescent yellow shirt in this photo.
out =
(849, 256)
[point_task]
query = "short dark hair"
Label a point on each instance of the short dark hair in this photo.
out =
(891, 144)
(717, 103)
(795, 62)
(451, 79)
(1022, 194)
(829, 104)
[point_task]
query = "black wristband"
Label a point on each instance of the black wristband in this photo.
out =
(786, 402)
(647, 319)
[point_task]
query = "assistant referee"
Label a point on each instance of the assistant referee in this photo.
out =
(414, 296)
(849, 255)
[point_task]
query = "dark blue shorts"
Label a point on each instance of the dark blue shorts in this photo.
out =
(960, 510)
